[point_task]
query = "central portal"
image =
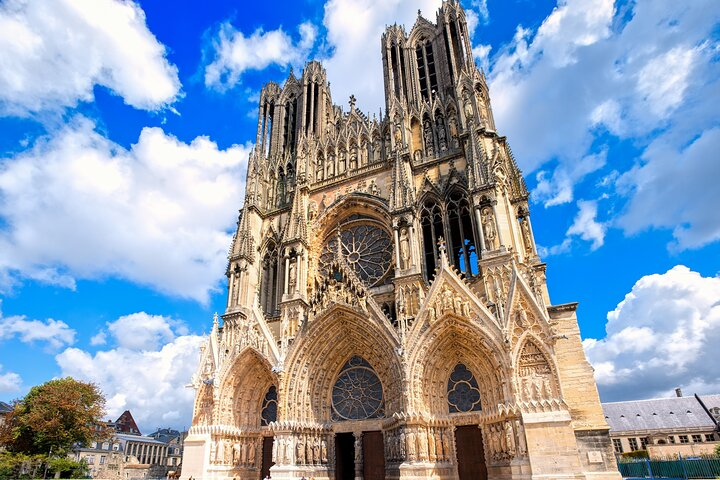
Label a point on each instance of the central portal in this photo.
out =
(373, 456)
(344, 456)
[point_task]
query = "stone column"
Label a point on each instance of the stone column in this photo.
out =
(497, 225)
(398, 266)
(481, 234)
(287, 273)
(358, 456)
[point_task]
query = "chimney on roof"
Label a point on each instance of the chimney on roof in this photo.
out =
(678, 392)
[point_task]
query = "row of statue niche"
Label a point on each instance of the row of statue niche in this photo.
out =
(431, 444)
(448, 302)
(505, 440)
(301, 450)
(241, 453)
(358, 159)
(482, 108)
(442, 141)
(536, 386)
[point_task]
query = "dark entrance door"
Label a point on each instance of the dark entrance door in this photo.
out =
(267, 456)
(344, 456)
(470, 454)
(373, 456)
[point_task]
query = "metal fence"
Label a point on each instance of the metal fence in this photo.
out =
(684, 468)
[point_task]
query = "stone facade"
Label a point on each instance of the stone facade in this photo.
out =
(387, 312)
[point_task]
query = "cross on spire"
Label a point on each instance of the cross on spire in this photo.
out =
(352, 102)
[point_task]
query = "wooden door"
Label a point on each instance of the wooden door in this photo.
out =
(373, 456)
(470, 453)
(267, 462)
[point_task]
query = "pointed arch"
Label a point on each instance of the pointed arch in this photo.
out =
(269, 279)
(432, 226)
(462, 245)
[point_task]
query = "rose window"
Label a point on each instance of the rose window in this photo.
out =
(357, 393)
(366, 247)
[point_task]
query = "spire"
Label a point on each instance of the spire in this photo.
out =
(402, 195)
(297, 223)
(244, 242)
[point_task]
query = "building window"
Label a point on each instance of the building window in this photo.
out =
(643, 443)
(462, 249)
(268, 292)
(709, 437)
(90, 459)
(671, 439)
(617, 444)
(357, 393)
(106, 446)
(93, 445)
(116, 446)
(462, 390)
(697, 438)
(269, 410)
(432, 228)
(102, 459)
(633, 444)
(684, 439)
(174, 462)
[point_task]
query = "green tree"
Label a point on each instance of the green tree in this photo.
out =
(54, 415)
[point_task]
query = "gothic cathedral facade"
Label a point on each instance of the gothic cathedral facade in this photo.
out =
(387, 312)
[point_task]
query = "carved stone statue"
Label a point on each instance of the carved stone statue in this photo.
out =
(428, 137)
(489, 229)
(526, 235)
(454, 135)
(442, 136)
(404, 248)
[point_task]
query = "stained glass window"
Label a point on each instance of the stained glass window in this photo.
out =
(269, 409)
(463, 392)
(357, 393)
(367, 247)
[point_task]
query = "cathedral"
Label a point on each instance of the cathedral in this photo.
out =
(387, 312)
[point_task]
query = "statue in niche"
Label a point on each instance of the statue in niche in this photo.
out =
(363, 152)
(411, 445)
(292, 280)
(376, 150)
(428, 136)
(323, 452)
(398, 135)
(438, 446)
(373, 188)
(468, 107)
(387, 141)
(521, 445)
(489, 229)
(331, 166)
(316, 451)
(300, 451)
(442, 138)
(353, 157)
(454, 135)
(423, 448)
(404, 248)
(526, 235)
(341, 163)
(358, 449)
(220, 452)
(402, 445)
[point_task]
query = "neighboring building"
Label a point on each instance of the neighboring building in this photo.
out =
(387, 313)
(5, 409)
(667, 423)
(132, 456)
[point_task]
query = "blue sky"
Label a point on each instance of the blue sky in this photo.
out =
(125, 129)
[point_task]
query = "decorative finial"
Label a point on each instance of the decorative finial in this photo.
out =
(215, 319)
(443, 252)
(419, 13)
(352, 102)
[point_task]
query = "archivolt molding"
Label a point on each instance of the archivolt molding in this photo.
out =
(441, 348)
(323, 348)
(242, 387)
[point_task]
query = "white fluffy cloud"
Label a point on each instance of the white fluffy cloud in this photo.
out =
(53, 333)
(140, 331)
(52, 54)
(142, 376)
(10, 382)
(234, 53)
(664, 334)
(77, 205)
(632, 70)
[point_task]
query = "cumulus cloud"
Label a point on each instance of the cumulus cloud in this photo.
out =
(631, 70)
(53, 333)
(140, 331)
(76, 205)
(664, 334)
(585, 226)
(10, 382)
(143, 376)
(234, 53)
(52, 54)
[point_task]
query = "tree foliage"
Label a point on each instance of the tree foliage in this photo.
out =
(54, 415)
